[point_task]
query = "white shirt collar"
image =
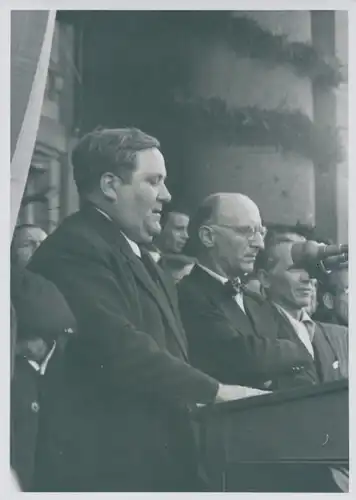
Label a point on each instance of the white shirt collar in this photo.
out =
(42, 367)
(304, 316)
(304, 327)
(218, 277)
(156, 255)
(134, 246)
(103, 213)
(238, 297)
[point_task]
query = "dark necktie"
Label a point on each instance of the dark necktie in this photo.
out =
(147, 261)
(310, 326)
(233, 287)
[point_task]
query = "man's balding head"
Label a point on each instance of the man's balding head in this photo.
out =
(225, 208)
(227, 229)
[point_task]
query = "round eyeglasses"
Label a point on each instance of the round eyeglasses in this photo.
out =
(249, 232)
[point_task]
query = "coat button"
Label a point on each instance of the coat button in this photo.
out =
(35, 406)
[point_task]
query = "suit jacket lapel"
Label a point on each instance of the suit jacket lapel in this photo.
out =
(168, 290)
(111, 233)
(139, 270)
(286, 330)
(159, 275)
(227, 303)
(159, 292)
(240, 319)
(326, 355)
(261, 316)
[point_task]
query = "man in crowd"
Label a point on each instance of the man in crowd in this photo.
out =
(288, 289)
(174, 234)
(43, 324)
(120, 421)
(334, 298)
(170, 243)
(231, 333)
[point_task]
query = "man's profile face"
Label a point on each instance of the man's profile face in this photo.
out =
(288, 285)
(338, 301)
(342, 296)
(138, 203)
(235, 250)
(174, 235)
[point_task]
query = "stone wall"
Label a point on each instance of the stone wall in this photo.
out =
(282, 185)
(126, 82)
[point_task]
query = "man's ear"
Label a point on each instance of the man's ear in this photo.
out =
(263, 277)
(108, 181)
(328, 301)
(206, 236)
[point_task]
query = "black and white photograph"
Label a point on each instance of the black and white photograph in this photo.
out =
(178, 261)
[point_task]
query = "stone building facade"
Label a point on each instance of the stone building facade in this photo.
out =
(95, 79)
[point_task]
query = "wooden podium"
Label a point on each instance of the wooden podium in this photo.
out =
(284, 441)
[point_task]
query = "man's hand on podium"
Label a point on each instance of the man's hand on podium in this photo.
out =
(232, 392)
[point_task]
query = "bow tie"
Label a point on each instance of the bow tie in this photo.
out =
(233, 287)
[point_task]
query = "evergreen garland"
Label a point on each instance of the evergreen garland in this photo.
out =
(248, 38)
(290, 131)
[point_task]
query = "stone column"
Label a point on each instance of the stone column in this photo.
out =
(342, 105)
(329, 30)
(282, 185)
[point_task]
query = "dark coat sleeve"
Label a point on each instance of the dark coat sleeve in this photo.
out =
(24, 422)
(226, 351)
(117, 352)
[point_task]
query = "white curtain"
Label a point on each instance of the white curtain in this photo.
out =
(26, 138)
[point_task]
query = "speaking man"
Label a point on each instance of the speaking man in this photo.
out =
(119, 419)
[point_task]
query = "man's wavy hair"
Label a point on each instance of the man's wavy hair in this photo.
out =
(108, 150)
